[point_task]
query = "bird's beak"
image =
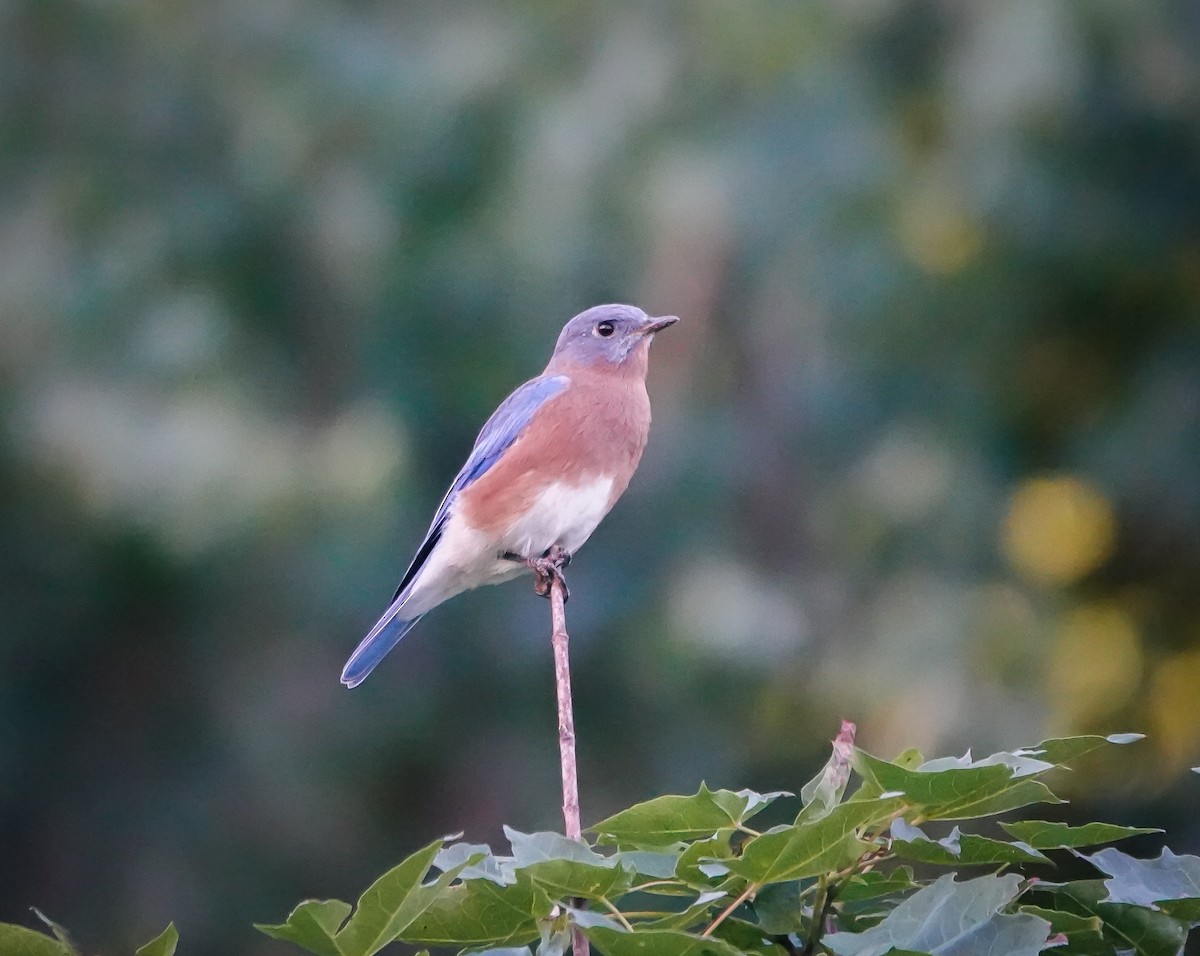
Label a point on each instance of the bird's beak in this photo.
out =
(658, 324)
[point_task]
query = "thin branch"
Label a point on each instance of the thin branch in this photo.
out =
(549, 576)
(566, 718)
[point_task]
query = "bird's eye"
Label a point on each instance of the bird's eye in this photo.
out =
(605, 329)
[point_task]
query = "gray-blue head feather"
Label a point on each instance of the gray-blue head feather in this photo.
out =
(607, 334)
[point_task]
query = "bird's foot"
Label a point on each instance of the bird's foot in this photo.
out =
(549, 568)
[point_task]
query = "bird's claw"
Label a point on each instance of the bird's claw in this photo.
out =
(546, 570)
(549, 568)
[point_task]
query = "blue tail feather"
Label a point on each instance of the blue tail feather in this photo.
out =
(374, 647)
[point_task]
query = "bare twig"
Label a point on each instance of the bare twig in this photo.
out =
(549, 578)
(566, 717)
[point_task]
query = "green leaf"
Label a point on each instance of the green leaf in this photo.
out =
(958, 849)
(751, 801)
(697, 910)
(669, 819)
(649, 864)
(564, 878)
(1084, 934)
(59, 931)
(705, 861)
(1169, 883)
(777, 908)
(19, 941)
(747, 938)
(859, 917)
(909, 759)
(312, 925)
(556, 932)
(873, 884)
(794, 852)
(567, 868)
(656, 942)
(1023, 763)
(1063, 750)
(531, 848)
(386, 908)
(954, 794)
(1130, 928)
(162, 945)
(1187, 910)
(474, 861)
(480, 913)
(1042, 835)
(387, 905)
(951, 919)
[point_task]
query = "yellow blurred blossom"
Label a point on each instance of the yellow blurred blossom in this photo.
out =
(1174, 704)
(1057, 530)
(937, 233)
(1096, 664)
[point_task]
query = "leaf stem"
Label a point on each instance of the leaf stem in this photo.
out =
(820, 906)
(617, 913)
(746, 894)
(642, 887)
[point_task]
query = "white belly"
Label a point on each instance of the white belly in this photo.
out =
(564, 515)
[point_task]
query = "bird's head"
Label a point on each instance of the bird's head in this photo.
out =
(616, 336)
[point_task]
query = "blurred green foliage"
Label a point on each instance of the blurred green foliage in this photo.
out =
(930, 431)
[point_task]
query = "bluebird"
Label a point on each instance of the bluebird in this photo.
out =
(546, 468)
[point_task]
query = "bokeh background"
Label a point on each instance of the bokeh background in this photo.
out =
(926, 450)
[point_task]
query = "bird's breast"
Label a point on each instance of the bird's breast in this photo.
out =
(562, 513)
(571, 463)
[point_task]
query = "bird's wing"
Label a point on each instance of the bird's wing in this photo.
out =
(498, 433)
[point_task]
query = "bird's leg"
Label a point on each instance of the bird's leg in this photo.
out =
(546, 569)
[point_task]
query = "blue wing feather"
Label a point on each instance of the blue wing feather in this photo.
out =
(498, 433)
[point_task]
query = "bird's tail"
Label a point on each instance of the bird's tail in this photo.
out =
(374, 647)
